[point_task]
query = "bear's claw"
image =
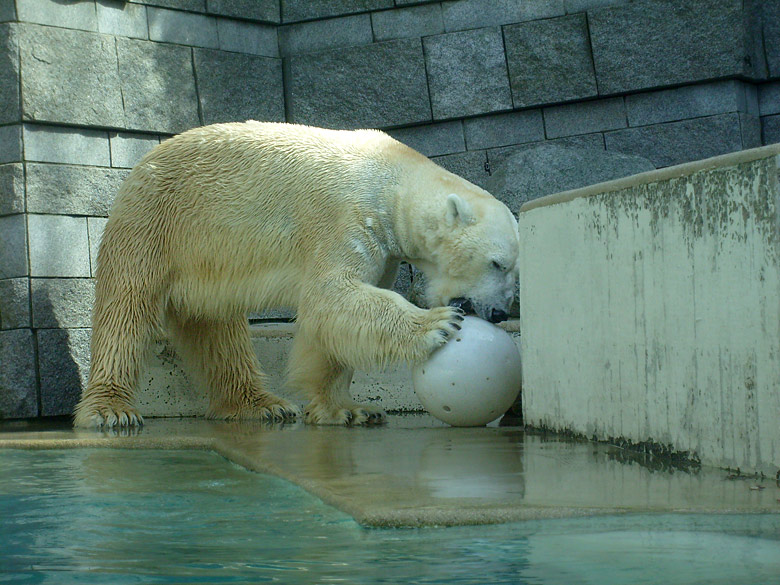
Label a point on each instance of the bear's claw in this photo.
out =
(349, 415)
(281, 412)
(446, 322)
(107, 417)
(261, 410)
(369, 417)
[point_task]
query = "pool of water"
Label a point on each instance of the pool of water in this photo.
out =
(139, 516)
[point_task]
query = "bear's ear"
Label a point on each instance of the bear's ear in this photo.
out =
(458, 210)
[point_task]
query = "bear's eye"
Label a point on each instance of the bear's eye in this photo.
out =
(498, 266)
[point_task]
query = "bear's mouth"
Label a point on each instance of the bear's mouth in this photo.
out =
(490, 314)
(464, 305)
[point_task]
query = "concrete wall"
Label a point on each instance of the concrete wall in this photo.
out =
(165, 390)
(649, 310)
(88, 86)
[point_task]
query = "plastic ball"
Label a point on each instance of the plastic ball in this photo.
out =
(472, 379)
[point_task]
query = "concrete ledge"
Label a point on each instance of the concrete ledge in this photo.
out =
(650, 314)
(165, 390)
(665, 174)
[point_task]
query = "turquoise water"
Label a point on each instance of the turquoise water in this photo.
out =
(117, 517)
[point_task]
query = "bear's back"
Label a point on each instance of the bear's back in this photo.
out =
(225, 161)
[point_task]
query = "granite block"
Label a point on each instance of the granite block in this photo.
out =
(770, 129)
(550, 61)
(379, 85)
(504, 129)
(233, 87)
(117, 17)
(497, 156)
(468, 14)
(655, 43)
(10, 143)
(18, 388)
(13, 246)
(418, 286)
(7, 11)
(10, 100)
(692, 101)
(296, 10)
(63, 366)
(472, 165)
(158, 86)
(75, 15)
(188, 5)
(127, 148)
(769, 98)
(247, 37)
(14, 303)
(573, 6)
(11, 189)
(467, 73)
(260, 10)
(679, 142)
(753, 33)
(770, 23)
(183, 28)
(433, 139)
(59, 303)
(414, 21)
(59, 246)
(544, 169)
(66, 145)
(585, 117)
(747, 99)
(95, 227)
(593, 141)
(70, 77)
(750, 130)
(72, 190)
(403, 281)
(320, 35)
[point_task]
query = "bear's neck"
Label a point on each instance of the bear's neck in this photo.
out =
(414, 226)
(413, 202)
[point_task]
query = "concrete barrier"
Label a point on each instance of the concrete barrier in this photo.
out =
(166, 391)
(650, 310)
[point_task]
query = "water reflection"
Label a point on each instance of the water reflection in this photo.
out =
(416, 471)
(118, 516)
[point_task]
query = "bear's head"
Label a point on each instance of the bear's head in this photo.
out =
(474, 256)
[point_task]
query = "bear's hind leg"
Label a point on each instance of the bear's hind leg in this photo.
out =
(326, 383)
(220, 351)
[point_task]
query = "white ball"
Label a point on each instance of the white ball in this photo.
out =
(473, 379)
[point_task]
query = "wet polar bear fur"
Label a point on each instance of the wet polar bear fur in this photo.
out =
(230, 218)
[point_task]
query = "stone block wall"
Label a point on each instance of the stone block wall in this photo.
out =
(88, 86)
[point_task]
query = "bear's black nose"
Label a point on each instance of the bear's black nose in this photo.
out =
(497, 315)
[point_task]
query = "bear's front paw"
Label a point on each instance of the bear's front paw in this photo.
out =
(107, 417)
(444, 322)
(343, 415)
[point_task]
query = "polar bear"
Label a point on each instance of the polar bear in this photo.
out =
(229, 218)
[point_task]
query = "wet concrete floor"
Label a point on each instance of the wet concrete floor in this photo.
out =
(416, 471)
